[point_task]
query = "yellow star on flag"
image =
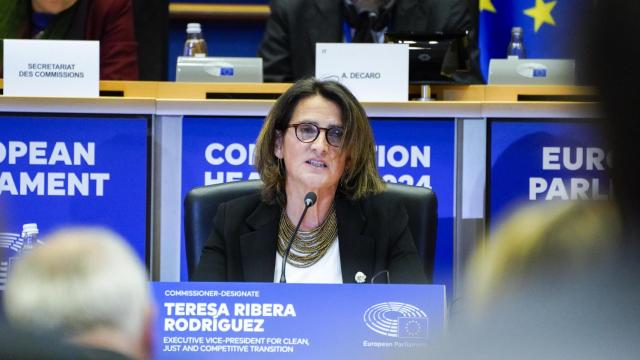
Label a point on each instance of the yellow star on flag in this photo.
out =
(541, 14)
(486, 5)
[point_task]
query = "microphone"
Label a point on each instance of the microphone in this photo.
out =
(382, 272)
(309, 201)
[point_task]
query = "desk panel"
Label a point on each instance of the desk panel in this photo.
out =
(296, 321)
(535, 160)
(58, 170)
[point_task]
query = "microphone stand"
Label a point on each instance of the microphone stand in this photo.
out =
(309, 200)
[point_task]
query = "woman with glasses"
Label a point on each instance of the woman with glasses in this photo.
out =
(316, 138)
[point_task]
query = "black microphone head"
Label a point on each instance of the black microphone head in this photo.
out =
(310, 199)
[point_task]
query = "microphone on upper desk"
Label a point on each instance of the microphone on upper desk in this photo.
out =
(309, 201)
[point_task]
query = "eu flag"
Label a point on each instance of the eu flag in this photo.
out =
(550, 27)
(413, 327)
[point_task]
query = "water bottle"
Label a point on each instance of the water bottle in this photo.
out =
(29, 236)
(516, 46)
(195, 45)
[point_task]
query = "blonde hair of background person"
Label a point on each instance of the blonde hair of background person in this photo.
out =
(545, 241)
(87, 285)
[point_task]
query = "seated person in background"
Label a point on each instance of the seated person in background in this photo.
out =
(555, 281)
(295, 26)
(562, 241)
(20, 344)
(109, 21)
(87, 286)
(316, 138)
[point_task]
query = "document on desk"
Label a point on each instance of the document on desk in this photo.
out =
(302, 321)
(373, 72)
(57, 68)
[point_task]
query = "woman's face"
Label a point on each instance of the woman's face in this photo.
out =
(51, 6)
(317, 165)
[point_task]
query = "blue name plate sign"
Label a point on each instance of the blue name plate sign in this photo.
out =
(310, 321)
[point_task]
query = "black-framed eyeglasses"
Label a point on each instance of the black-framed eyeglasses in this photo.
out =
(307, 132)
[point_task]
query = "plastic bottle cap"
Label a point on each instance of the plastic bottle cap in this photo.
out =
(193, 28)
(516, 29)
(31, 228)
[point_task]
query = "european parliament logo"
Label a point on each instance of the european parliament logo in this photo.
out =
(397, 320)
(12, 246)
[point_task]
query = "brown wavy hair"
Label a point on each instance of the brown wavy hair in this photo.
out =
(360, 177)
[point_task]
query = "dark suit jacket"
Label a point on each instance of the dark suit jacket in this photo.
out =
(295, 26)
(25, 345)
(373, 236)
(111, 23)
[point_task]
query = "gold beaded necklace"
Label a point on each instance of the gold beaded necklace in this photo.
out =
(309, 246)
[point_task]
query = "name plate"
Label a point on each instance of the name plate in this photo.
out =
(60, 68)
(310, 321)
(373, 72)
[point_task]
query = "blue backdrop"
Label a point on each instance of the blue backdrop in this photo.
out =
(67, 170)
(575, 164)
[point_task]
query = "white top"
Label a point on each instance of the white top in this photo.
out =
(326, 271)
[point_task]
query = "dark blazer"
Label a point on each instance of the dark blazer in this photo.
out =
(25, 345)
(111, 23)
(373, 236)
(295, 26)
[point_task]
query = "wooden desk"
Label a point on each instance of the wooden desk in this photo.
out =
(199, 11)
(184, 90)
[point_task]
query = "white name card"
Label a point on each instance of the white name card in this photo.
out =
(60, 68)
(373, 72)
